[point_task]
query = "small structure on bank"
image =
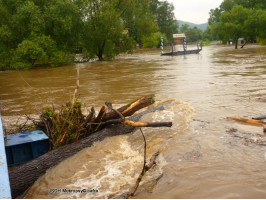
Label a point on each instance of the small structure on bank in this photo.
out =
(180, 39)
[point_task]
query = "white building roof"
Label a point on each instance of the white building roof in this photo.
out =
(180, 35)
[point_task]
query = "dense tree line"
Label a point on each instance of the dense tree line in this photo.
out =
(40, 31)
(239, 18)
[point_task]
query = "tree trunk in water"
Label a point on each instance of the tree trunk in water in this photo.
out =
(23, 176)
(243, 45)
(100, 52)
(100, 55)
(236, 43)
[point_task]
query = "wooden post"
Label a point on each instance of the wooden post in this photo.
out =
(185, 44)
(172, 49)
(162, 45)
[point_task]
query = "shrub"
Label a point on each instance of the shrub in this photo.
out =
(154, 40)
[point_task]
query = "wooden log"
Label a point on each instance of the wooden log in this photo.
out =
(259, 118)
(132, 123)
(147, 124)
(23, 176)
(101, 114)
(131, 108)
(90, 117)
(143, 172)
(264, 128)
(250, 121)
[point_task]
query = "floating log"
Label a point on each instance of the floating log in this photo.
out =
(250, 121)
(259, 118)
(23, 176)
(147, 124)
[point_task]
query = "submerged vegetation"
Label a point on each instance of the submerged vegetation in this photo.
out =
(51, 32)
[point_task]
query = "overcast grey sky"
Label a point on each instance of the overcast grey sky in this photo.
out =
(195, 11)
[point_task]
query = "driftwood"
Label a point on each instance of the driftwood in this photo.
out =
(134, 189)
(251, 121)
(131, 108)
(68, 124)
(259, 118)
(23, 176)
(146, 167)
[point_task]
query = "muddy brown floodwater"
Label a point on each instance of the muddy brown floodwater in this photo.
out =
(201, 159)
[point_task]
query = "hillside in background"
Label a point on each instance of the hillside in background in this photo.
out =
(203, 27)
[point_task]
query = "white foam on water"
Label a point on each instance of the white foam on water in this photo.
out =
(113, 165)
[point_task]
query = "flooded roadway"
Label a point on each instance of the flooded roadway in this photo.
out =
(201, 159)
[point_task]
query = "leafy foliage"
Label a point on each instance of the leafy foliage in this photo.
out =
(39, 31)
(239, 18)
(154, 40)
(193, 34)
(65, 124)
(166, 19)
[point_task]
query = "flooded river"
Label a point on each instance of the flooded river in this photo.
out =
(201, 158)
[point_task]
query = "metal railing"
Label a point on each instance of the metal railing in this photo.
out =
(4, 183)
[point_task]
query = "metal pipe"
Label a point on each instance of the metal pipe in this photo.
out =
(5, 192)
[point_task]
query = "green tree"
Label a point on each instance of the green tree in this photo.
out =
(238, 18)
(154, 40)
(214, 16)
(206, 35)
(63, 23)
(27, 53)
(166, 19)
(106, 21)
(232, 23)
(103, 29)
(254, 4)
(40, 31)
(255, 25)
(184, 27)
(37, 30)
(140, 19)
(27, 20)
(6, 43)
(193, 34)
